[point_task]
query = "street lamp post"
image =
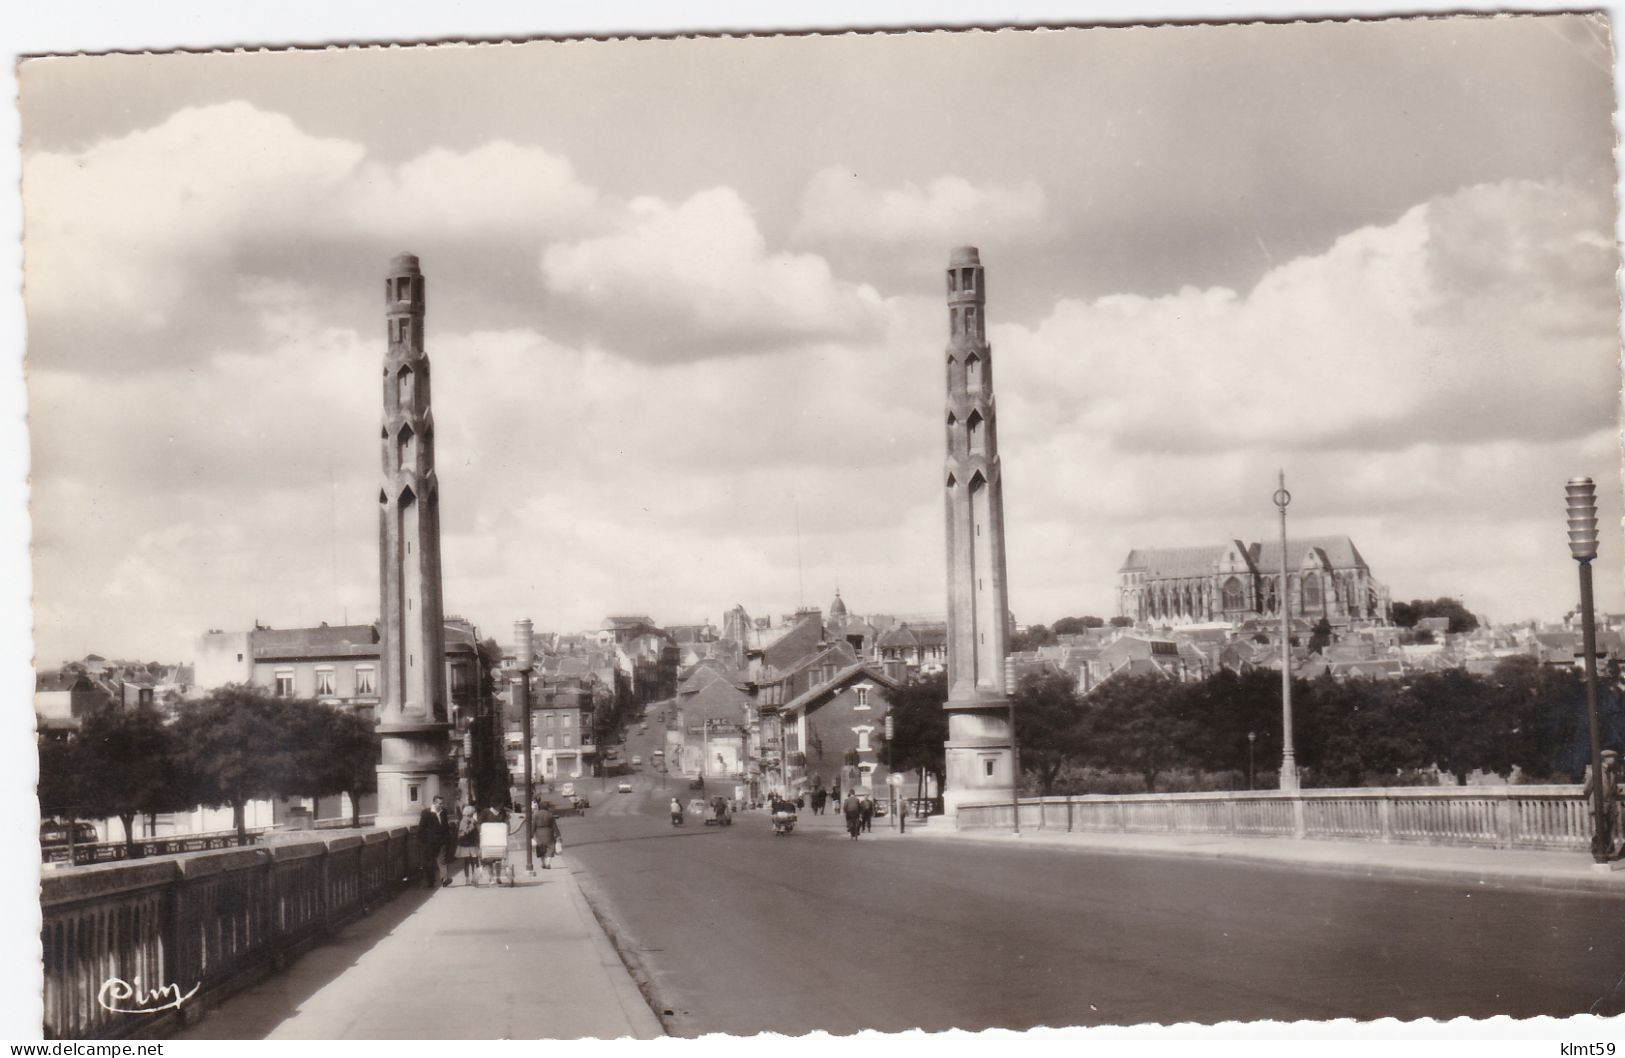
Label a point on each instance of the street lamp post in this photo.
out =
(1289, 760)
(522, 660)
(1015, 751)
(1252, 736)
(1581, 494)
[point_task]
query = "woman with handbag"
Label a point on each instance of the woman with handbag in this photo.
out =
(548, 841)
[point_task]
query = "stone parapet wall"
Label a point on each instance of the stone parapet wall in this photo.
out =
(1525, 817)
(203, 924)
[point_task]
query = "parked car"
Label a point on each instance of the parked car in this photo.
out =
(698, 808)
(624, 787)
(637, 761)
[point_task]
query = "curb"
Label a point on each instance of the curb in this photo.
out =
(625, 949)
(1582, 883)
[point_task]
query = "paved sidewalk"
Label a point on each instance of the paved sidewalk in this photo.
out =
(1501, 868)
(528, 962)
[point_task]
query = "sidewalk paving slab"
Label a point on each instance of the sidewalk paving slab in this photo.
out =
(522, 962)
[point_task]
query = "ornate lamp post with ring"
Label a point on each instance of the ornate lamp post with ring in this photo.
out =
(1289, 760)
(1581, 494)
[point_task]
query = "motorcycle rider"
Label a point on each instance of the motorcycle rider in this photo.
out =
(676, 812)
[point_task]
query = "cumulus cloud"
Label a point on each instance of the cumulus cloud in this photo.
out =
(140, 249)
(873, 230)
(697, 278)
(1394, 336)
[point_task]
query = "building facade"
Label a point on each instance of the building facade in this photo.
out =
(1233, 582)
(834, 733)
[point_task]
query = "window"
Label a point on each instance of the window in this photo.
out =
(549, 721)
(567, 743)
(1233, 597)
(284, 683)
(366, 680)
(863, 738)
(549, 741)
(987, 768)
(413, 796)
(564, 720)
(239, 657)
(863, 697)
(324, 681)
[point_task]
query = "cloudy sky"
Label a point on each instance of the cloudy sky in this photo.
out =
(685, 297)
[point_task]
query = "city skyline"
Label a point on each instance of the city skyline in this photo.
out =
(688, 347)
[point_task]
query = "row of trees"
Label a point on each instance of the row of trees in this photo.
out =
(1345, 732)
(237, 745)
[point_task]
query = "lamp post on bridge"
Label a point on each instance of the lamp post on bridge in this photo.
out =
(522, 660)
(1252, 736)
(1581, 494)
(1289, 760)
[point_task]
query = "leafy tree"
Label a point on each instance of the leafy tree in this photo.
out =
(341, 755)
(61, 777)
(129, 765)
(920, 726)
(1141, 724)
(1049, 726)
(1032, 638)
(1070, 626)
(1405, 615)
(1121, 622)
(1234, 706)
(1463, 725)
(1321, 638)
(239, 744)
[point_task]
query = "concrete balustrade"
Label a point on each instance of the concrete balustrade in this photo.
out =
(1526, 817)
(204, 924)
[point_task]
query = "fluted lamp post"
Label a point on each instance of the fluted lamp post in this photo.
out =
(523, 653)
(1289, 759)
(1582, 508)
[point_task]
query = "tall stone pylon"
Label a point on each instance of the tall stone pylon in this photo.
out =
(414, 736)
(980, 750)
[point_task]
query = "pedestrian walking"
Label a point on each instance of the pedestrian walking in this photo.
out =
(866, 811)
(548, 839)
(468, 844)
(434, 830)
(1610, 829)
(854, 815)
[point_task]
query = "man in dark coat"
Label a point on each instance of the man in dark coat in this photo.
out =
(853, 810)
(434, 831)
(866, 811)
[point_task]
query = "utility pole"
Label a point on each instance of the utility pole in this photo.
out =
(522, 657)
(1582, 510)
(1289, 760)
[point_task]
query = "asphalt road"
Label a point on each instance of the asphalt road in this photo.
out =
(743, 932)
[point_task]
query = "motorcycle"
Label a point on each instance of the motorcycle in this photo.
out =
(784, 821)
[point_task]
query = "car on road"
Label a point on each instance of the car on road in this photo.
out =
(697, 807)
(643, 729)
(637, 762)
(568, 789)
(696, 783)
(657, 754)
(624, 787)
